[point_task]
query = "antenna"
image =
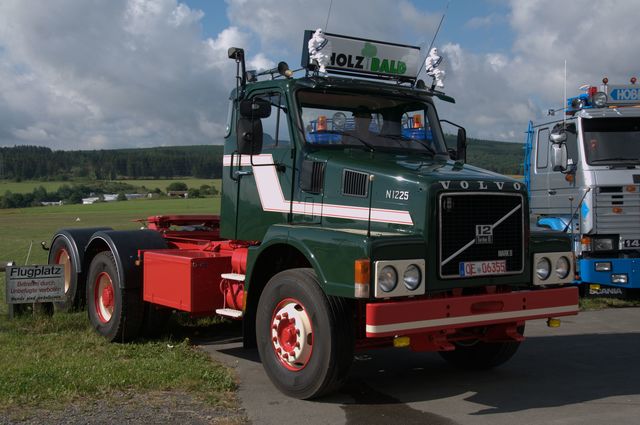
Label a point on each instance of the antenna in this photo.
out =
(564, 98)
(433, 39)
(326, 24)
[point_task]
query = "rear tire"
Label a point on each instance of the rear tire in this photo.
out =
(481, 355)
(305, 338)
(115, 313)
(74, 290)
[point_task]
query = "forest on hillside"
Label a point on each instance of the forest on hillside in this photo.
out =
(40, 163)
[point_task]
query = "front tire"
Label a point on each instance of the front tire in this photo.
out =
(305, 338)
(480, 355)
(114, 312)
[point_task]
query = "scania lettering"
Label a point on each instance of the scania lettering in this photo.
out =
(346, 224)
(583, 174)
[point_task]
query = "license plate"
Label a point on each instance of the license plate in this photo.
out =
(631, 243)
(482, 268)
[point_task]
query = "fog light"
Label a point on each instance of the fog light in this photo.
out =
(401, 341)
(599, 99)
(619, 278)
(603, 267)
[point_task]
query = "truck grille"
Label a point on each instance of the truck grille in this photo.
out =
(480, 228)
(626, 223)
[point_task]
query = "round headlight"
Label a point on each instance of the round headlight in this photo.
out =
(412, 277)
(599, 99)
(388, 279)
(339, 120)
(543, 268)
(562, 267)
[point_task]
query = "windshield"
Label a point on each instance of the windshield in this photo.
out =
(370, 122)
(612, 141)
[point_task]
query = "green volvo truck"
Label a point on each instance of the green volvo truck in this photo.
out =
(346, 224)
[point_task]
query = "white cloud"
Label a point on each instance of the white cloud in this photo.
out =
(122, 73)
(125, 73)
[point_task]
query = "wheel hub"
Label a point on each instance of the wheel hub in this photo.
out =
(292, 334)
(104, 301)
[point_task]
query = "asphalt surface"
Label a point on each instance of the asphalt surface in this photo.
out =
(585, 372)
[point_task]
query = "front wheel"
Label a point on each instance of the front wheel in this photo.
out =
(305, 338)
(479, 355)
(114, 312)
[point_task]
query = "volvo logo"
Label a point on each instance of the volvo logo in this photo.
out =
(480, 185)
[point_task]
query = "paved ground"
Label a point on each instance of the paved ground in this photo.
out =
(586, 372)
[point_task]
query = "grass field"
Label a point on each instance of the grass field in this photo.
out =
(46, 360)
(52, 186)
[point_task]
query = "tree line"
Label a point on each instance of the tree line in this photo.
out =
(73, 194)
(41, 163)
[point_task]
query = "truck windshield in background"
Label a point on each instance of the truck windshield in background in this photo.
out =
(612, 141)
(370, 122)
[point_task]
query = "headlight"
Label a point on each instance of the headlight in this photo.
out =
(543, 268)
(599, 99)
(388, 279)
(603, 244)
(562, 267)
(412, 277)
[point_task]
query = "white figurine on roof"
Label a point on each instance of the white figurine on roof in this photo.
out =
(320, 50)
(431, 67)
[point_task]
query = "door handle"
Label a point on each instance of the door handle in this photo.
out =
(241, 173)
(551, 192)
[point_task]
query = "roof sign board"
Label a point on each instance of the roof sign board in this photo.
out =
(624, 94)
(35, 284)
(367, 58)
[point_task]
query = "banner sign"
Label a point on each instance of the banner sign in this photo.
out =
(620, 95)
(34, 284)
(368, 58)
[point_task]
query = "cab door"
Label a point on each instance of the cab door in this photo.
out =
(263, 180)
(540, 168)
(562, 185)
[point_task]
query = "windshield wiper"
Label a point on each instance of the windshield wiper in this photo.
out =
(615, 159)
(431, 150)
(343, 133)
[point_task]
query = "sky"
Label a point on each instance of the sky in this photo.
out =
(105, 74)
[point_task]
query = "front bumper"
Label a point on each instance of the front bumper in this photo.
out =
(628, 266)
(391, 318)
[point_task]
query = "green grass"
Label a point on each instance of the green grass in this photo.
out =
(46, 360)
(601, 303)
(52, 186)
(60, 359)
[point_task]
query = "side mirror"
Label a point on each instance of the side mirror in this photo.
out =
(461, 145)
(559, 156)
(249, 133)
(559, 137)
(255, 108)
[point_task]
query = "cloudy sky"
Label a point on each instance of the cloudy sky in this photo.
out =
(100, 74)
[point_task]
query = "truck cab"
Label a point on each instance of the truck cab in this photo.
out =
(584, 179)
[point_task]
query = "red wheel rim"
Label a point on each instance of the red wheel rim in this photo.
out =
(103, 297)
(291, 334)
(63, 257)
